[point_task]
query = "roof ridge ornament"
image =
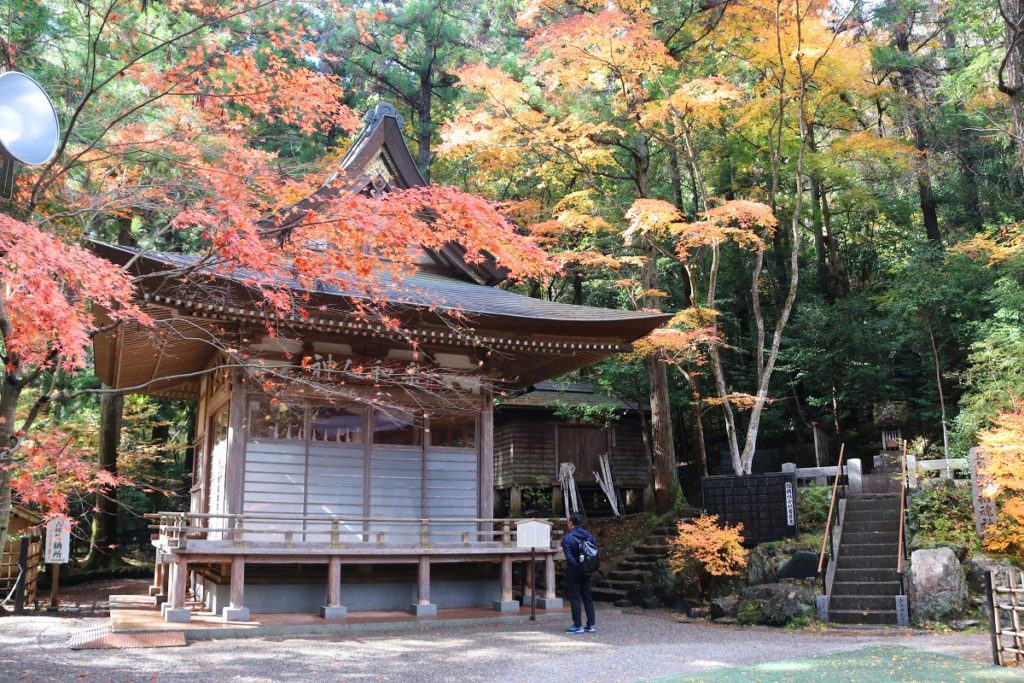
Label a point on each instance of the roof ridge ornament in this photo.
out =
(376, 115)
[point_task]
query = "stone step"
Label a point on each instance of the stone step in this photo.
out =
(862, 616)
(865, 587)
(867, 562)
(645, 549)
(617, 585)
(607, 594)
(861, 526)
(638, 575)
(873, 549)
(861, 537)
(873, 573)
(639, 565)
(853, 603)
(873, 504)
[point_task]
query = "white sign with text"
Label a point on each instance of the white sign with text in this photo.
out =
(58, 541)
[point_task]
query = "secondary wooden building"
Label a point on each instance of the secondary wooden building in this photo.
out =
(323, 504)
(541, 428)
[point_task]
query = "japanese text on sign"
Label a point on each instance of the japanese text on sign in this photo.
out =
(58, 541)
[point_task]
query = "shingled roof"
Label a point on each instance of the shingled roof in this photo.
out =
(546, 394)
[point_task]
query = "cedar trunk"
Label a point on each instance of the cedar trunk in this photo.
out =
(104, 550)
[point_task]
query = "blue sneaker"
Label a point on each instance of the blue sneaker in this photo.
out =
(574, 629)
(590, 629)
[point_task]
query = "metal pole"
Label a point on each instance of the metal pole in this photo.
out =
(533, 584)
(993, 617)
(54, 582)
(19, 593)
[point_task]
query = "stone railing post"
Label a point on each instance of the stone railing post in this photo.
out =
(854, 475)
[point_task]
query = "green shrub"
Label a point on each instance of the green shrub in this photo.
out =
(945, 516)
(812, 503)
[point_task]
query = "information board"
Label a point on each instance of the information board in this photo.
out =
(533, 533)
(58, 541)
(765, 504)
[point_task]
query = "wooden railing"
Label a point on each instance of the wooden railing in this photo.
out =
(903, 516)
(826, 541)
(177, 529)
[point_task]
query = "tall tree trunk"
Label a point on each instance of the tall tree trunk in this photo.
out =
(1011, 74)
(9, 393)
(103, 547)
(425, 127)
(929, 205)
(666, 481)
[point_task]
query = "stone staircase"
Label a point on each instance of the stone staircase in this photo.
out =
(628, 580)
(866, 581)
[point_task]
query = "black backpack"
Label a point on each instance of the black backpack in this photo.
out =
(589, 559)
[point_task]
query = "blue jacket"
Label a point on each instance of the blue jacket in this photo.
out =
(571, 545)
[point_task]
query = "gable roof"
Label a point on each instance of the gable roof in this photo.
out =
(545, 394)
(379, 161)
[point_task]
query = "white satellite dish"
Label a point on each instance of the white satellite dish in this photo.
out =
(29, 131)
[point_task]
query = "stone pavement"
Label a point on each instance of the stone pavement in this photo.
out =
(630, 646)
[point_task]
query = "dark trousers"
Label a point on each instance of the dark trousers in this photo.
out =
(577, 584)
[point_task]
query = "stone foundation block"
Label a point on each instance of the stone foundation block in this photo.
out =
(506, 605)
(339, 612)
(178, 615)
(423, 610)
(549, 603)
(236, 614)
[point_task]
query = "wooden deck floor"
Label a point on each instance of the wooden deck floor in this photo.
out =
(139, 614)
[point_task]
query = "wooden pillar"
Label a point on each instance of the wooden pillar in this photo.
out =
(557, 502)
(506, 603)
(515, 505)
(157, 587)
(236, 611)
(549, 576)
(175, 609)
(423, 607)
(234, 467)
(333, 609)
(548, 600)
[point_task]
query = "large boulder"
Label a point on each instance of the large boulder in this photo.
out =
(938, 588)
(980, 563)
(759, 567)
(803, 565)
(775, 604)
(923, 541)
(723, 607)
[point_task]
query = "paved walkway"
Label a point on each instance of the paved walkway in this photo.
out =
(629, 647)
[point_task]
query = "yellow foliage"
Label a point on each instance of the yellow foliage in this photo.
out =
(712, 548)
(1004, 467)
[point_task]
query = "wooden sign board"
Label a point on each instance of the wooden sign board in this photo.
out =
(766, 504)
(533, 533)
(58, 541)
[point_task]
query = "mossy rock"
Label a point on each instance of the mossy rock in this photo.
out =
(775, 604)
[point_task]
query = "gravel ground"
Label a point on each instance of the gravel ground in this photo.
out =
(630, 646)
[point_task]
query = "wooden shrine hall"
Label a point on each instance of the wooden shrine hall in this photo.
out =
(329, 506)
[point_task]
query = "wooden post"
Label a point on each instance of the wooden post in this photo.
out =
(333, 609)
(515, 505)
(423, 607)
(175, 610)
(506, 603)
(158, 570)
(19, 591)
(54, 583)
(533, 586)
(236, 611)
(549, 576)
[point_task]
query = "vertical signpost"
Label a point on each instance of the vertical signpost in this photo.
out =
(57, 552)
(533, 534)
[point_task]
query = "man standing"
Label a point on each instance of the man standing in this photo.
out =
(580, 549)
